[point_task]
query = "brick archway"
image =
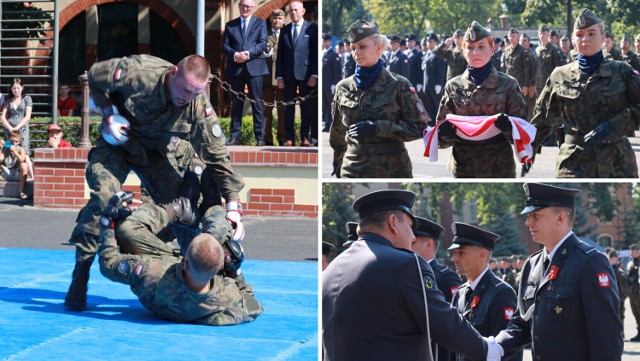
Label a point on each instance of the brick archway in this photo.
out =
(265, 11)
(160, 8)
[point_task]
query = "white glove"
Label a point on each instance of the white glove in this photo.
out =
(115, 129)
(333, 88)
(419, 87)
(234, 216)
(438, 89)
(494, 350)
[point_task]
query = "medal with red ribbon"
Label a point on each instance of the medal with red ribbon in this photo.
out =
(553, 272)
(474, 301)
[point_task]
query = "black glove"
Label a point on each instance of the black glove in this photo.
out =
(526, 167)
(447, 129)
(503, 123)
(115, 208)
(232, 268)
(599, 135)
(360, 130)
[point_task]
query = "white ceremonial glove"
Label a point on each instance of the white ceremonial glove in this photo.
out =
(419, 87)
(234, 216)
(494, 351)
(333, 89)
(438, 89)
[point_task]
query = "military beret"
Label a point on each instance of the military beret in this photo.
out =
(393, 38)
(475, 32)
(553, 33)
(585, 19)
(432, 36)
(361, 29)
(327, 248)
(626, 38)
(326, 36)
(386, 200)
(458, 32)
(427, 228)
(411, 36)
(277, 12)
(543, 195)
(564, 38)
(544, 28)
(525, 36)
(352, 234)
(468, 235)
(513, 31)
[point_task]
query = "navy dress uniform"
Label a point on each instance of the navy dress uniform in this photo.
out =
(415, 63)
(446, 279)
(397, 61)
(352, 234)
(490, 305)
(568, 308)
(392, 323)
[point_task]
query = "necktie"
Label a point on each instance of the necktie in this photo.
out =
(467, 295)
(244, 26)
(295, 33)
(546, 263)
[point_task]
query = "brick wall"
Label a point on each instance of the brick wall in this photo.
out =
(59, 179)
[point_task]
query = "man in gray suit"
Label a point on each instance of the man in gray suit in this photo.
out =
(297, 70)
(381, 301)
(245, 40)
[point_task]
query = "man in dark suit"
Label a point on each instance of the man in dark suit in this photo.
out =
(348, 62)
(486, 301)
(271, 90)
(434, 78)
(297, 71)
(245, 40)
(568, 296)
(398, 62)
(415, 62)
(331, 75)
(426, 245)
(380, 300)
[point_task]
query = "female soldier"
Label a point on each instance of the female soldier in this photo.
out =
(374, 112)
(596, 102)
(480, 90)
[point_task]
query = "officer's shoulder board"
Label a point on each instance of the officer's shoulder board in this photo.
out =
(585, 248)
(439, 268)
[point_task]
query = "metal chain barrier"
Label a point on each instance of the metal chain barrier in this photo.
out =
(242, 96)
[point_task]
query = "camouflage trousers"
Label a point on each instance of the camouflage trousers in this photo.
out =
(142, 232)
(161, 176)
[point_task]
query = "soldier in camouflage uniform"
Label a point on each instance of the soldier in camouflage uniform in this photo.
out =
(193, 289)
(609, 49)
(548, 57)
(160, 101)
(480, 90)
(621, 280)
(374, 113)
(597, 103)
(456, 63)
(520, 64)
(627, 55)
(565, 46)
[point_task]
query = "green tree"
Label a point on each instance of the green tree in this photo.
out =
(339, 14)
(336, 212)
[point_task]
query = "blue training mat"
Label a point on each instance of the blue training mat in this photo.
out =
(34, 325)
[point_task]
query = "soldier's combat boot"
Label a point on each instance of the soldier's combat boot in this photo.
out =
(191, 188)
(636, 338)
(180, 211)
(210, 193)
(76, 298)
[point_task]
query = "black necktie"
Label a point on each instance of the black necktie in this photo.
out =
(295, 33)
(546, 263)
(467, 294)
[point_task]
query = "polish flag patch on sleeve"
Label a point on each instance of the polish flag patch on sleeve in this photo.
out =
(208, 111)
(508, 313)
(138, 270)
(412, 89)
(118, 74)
(603, 280)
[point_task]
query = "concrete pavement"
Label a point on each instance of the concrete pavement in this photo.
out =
(544, 167)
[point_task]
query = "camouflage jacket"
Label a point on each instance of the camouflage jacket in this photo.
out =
(456, 63)
(631, 58)
(159, 284)
(613, 55)
(392, 103)
(579, 103)
(499, 93)
(547, 58)
(136, 86)
(520, 64)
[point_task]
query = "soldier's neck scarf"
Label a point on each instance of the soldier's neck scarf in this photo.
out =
(478, 75)
(589, 64)
(366, 76)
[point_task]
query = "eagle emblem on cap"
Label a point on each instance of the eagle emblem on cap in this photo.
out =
(472, 35)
